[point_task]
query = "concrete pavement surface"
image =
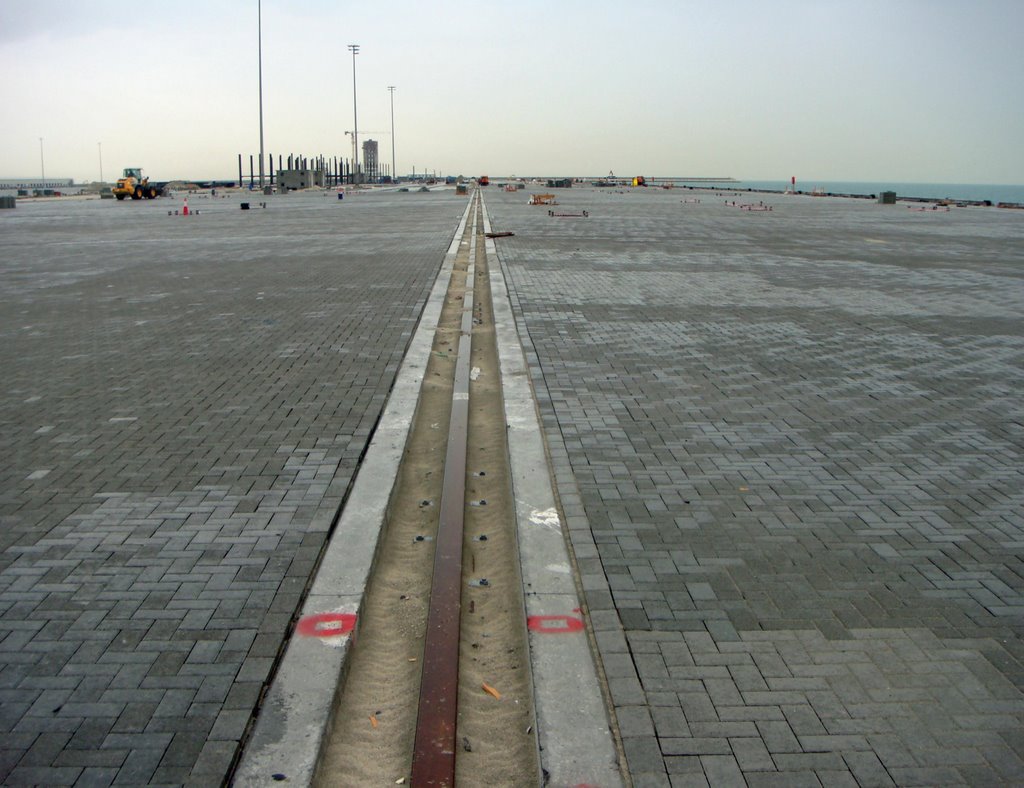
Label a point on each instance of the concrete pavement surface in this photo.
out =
(185, 401)
(789, 447)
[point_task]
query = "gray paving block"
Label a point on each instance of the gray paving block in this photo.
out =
(794, 433)
(643, 754)
(634, 721)
(169, 509)
(42, 775)
(796, 437)
(721, 769)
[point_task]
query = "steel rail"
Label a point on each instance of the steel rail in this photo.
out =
(434, 749)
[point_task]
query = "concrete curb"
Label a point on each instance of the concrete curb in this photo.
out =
(295, 718)
(576, 742)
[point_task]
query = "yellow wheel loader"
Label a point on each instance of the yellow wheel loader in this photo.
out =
(133, 184)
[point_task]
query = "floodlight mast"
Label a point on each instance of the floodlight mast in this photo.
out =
(259, 35)
(355, 113)
(394, 172)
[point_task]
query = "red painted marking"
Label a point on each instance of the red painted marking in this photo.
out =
(326, 625)
(554, 624)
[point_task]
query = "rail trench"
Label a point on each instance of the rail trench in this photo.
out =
(373, 736)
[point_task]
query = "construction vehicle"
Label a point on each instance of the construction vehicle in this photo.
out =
(484, 181)
(133, 184)
(639, 180)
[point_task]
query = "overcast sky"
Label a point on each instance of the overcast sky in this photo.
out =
(886, 90)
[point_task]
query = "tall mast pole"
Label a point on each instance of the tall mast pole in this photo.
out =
(259, 35)
(355, 111)
(391, 90)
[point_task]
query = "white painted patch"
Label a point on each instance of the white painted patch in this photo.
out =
(548, 518)
(44, 430)
(336, 641)
(474, 373)
(561, 569)
(36, 398)
(120, 419)
(35, 475)
(460, 395)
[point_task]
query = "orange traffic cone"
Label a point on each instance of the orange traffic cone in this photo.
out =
(184, 211)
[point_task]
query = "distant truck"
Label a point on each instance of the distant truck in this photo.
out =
(133, 184)
(484, 181)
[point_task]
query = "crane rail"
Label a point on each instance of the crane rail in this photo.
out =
(434, 749)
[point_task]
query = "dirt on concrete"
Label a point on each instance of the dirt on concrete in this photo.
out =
(496, 734)
(371, 742)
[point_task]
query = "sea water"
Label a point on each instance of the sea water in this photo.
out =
(936, 191)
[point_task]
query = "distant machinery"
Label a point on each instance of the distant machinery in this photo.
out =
(134, 184)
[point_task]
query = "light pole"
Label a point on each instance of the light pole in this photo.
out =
(100, 146)
(355, 114)
(391, 90)
(42, 166)
(259, 48)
